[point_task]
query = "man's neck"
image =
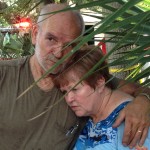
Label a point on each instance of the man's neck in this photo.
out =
(46, 83)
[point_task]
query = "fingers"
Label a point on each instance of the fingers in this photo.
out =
(133, 131)
(140, 148)
(127, 133)
(119, 119)
(143, 136)
(139, 134)
(136, 136)
(135, 121)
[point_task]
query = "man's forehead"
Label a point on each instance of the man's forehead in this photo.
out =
(61, 36)
(65, 23)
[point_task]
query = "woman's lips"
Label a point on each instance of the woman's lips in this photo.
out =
(74, 107)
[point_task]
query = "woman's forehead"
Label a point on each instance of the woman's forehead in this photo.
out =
(70, 77)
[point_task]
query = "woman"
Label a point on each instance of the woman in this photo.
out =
(94, 97)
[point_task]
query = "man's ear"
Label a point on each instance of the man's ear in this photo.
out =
(100, 84)
(34, 34)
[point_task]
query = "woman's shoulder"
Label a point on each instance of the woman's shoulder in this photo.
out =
(120, 97)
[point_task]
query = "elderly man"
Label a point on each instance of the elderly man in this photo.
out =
(57, 128)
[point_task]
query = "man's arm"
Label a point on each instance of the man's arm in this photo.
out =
(133, 89)
(136, 114)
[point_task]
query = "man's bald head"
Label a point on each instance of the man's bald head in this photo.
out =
(49, 10)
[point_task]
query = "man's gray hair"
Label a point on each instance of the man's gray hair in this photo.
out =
(49, 10)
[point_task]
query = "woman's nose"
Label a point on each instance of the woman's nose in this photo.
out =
(69, 97)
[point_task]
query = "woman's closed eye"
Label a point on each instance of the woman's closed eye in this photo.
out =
(75, 90)
(64, 92)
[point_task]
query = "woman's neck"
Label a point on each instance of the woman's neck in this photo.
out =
(112, 99)
(103, 106)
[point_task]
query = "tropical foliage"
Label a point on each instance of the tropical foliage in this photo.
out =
(124, 23)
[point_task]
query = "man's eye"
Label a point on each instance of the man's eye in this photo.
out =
(50, 39)
(73, 45)
(69, 45)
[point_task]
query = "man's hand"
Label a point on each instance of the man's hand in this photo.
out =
(137, 121)
(141, 148)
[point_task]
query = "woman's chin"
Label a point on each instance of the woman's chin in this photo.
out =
(79, 114)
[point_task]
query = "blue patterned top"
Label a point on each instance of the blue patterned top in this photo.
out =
(100, 136)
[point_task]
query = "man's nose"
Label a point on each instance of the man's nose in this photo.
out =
(57, 51)
(60, 50)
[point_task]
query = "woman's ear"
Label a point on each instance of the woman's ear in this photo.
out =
(100, 84)
(34, 34)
